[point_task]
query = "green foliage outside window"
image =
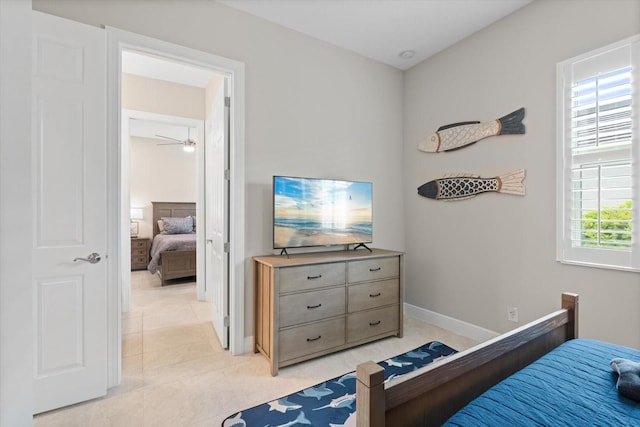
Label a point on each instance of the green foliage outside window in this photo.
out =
(615, 227)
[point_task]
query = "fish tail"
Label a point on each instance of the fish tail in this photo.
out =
(511, 183)
(511, 124)
(301, 419)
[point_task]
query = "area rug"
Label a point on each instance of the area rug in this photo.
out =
(331, 403)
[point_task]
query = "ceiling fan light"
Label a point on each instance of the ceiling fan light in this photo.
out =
(189, 148)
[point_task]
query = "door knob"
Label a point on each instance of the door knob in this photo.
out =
(93, 258)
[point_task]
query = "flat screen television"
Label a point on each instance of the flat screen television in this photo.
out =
(321, 212)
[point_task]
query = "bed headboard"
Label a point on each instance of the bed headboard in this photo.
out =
(171, 209)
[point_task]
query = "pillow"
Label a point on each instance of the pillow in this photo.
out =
(160, 225)
(194, 223)
(628, 383)
(177, 225)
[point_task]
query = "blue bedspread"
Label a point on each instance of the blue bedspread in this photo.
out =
(572, 385)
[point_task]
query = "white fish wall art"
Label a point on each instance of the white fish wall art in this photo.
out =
(464, 186)
(458, 135)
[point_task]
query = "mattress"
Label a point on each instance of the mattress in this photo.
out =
(169, 242)
(573, 385)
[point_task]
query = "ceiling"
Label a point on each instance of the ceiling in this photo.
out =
(378, 29)
(383, 29)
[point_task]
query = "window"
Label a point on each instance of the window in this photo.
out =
(599, 157)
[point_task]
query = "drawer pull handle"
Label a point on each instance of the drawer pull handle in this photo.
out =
(309, 307)
(375, 269)
(314, 277)
(374, 295)
(377, 322)
(314, 339)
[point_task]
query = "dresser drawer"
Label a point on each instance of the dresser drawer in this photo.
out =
(308, 339)
(366, 324)
(135, 252)
(139, 244)
(139, 260)
(311, 306)
(373, 269)
(373, 294)
(311, 276)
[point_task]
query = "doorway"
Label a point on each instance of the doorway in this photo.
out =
(233, 72)
(156, 169)
(168, 177)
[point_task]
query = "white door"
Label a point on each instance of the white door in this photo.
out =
(69, 218)
(217, 232)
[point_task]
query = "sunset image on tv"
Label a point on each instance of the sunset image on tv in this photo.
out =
(321, 212)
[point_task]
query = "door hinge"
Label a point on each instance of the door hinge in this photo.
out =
(227, 101)
(227, 174)
(225, 322)
(227, 247)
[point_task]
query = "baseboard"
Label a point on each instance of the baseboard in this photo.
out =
(449, 323)
(248, 344)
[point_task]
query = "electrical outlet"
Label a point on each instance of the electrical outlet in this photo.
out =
(512, 313)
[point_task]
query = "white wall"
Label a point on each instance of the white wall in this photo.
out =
(16, 320)
(470, 259)
(159, 174)
(317, 110)
(312, 109)
(162, 97)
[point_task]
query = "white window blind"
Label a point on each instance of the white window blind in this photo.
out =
(598, 171)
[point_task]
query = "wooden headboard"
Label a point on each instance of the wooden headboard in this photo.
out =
(171, 209)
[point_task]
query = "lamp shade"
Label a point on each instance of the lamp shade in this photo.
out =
(136, 213)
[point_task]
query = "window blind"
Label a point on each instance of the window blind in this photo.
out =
(597, 157)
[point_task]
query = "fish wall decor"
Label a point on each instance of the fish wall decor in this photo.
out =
(461, 186)
(458, 135)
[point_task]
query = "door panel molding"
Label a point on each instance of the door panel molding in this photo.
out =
(66, 352)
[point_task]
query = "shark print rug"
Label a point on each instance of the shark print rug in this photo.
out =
(333, 402)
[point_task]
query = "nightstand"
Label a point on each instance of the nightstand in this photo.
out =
(139, 253)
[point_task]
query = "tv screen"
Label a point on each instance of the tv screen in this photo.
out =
(321, 212)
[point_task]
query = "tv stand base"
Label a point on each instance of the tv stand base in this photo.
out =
(363, 246)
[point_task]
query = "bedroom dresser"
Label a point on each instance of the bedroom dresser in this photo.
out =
(312, 304)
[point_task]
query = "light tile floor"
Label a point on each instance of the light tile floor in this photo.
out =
(175, 372)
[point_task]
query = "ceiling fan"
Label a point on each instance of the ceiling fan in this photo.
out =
(188, 145)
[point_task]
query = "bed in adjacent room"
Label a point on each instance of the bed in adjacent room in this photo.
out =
(173, 250)
(537, 375)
